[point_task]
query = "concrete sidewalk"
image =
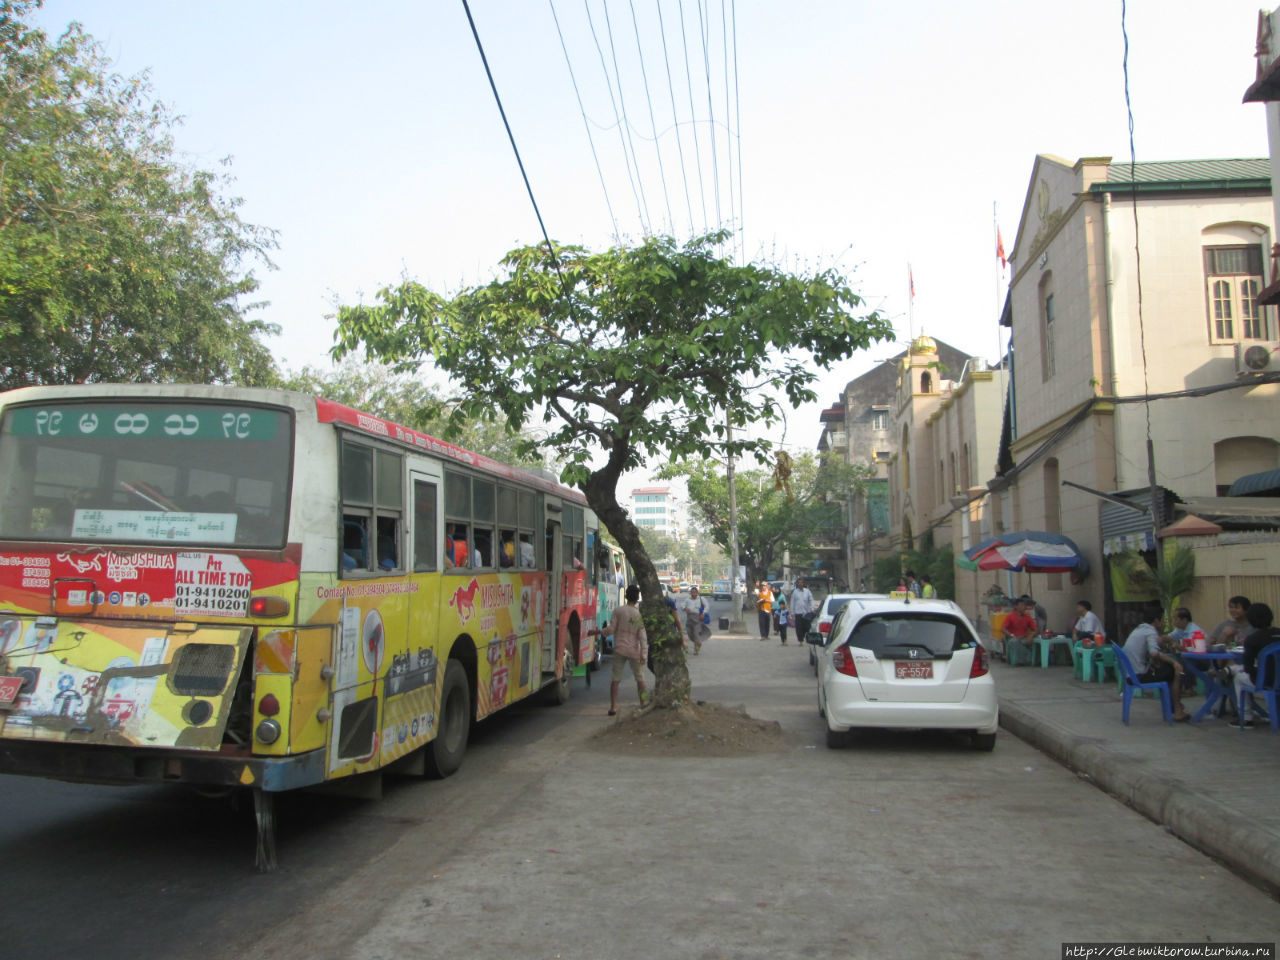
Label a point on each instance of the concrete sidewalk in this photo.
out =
(1212, 784)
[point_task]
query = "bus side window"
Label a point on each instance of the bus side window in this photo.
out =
(424, 526)
(507, 549)
(483, 556)
(388, 543)
(525, 550)
(355, 539)
(457, 548)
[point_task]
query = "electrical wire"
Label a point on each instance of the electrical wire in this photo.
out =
(626, 122)
(1137, 251)
(737, 127)
(728, 132)
(704, 27)
(693, 118)
(555, 261)
(582, 110)
(671, 89)
(622, 139)
(653, 124)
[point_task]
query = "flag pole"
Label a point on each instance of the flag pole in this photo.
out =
(911, 305)
(999, 272)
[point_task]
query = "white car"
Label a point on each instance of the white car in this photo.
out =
(820, 626)
(906, 664)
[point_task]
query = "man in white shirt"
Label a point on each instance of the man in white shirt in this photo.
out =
(1087, 622)
(694, 610)
(802, 608)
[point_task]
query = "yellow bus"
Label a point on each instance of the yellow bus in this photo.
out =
(248, 588)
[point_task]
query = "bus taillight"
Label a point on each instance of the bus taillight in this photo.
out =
(268, 607)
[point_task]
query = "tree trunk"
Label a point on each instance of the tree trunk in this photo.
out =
(666, 645)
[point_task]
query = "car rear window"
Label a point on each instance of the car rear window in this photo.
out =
(834, 604)
(892, 634)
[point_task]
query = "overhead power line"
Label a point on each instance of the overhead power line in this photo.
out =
(622, 135)
(693, 117)
(582, 110)
(551, 250)
(657, 146)
(626, 122)
(671, 89)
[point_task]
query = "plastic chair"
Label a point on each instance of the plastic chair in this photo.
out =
(1132, 685)
(1267, 687)
(1104, 660)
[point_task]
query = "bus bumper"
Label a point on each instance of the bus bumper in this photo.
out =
(92, 763)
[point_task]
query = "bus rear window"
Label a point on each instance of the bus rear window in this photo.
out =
(124, 471)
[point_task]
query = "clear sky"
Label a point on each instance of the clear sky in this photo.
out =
(861, 135)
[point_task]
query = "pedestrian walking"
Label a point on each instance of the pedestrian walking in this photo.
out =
(764, 608)
(802, 609)
(630, 646)
(696, 619)
(781, 616)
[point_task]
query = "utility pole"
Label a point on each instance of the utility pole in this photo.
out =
(735, 621)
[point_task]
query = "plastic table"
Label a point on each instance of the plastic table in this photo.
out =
(1045, 645)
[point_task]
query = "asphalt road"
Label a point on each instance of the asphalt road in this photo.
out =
(903, 846)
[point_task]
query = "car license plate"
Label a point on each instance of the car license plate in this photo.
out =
(9, 687)
(913, 669)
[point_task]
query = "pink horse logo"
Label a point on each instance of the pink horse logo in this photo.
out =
(464, 600)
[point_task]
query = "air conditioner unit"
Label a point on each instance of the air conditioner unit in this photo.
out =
(1255, 358)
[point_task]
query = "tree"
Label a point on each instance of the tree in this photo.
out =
(773, 517)
(116, 261)
(410, 402)
(630, 353)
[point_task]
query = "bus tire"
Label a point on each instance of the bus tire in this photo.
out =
(559, 691)
(594, 665)
(445, 752)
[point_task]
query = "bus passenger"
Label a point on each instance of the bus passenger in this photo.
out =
(455, 546)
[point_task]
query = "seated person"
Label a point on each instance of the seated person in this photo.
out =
(1087, 622)
(1019, 631)
(507, 557)
(1184, 628)
(1235, 628)
(353, 555)
(1260, 618)
(1150, 663)
(528, 559)
(456, 551)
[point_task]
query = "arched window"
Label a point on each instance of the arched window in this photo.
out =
(1237, 457)
(926, 382)
(1234, 276)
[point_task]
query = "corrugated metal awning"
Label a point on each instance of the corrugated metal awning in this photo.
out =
(1253, 484)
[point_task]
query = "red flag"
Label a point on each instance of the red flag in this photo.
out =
(1000, 248)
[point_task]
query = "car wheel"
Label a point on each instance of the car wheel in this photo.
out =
(837, 739)
(984, 741)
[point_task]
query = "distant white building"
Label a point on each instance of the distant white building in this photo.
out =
(654, 508)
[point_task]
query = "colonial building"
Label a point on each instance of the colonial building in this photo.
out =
(859, 429)
(948, 431)
(1133, 306)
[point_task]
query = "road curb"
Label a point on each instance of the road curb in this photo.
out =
(1201, 821)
